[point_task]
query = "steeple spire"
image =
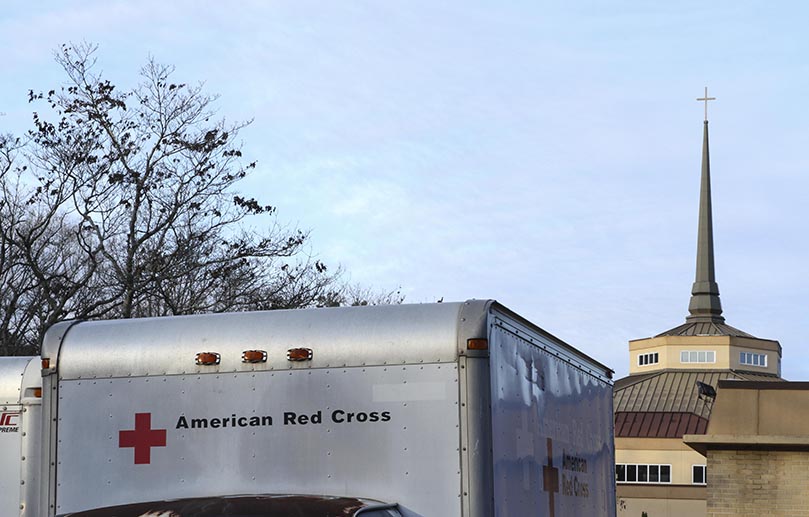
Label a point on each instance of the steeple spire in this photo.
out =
(705, 305)
(705, 310)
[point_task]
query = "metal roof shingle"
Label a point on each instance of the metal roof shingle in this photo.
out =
(674, 391)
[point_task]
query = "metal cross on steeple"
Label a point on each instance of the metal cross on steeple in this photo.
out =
(706, 99)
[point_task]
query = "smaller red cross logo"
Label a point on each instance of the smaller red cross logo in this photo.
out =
(550, 478)
(143, 438)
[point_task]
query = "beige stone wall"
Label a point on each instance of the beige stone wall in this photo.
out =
(634, 507)
(757, 483)
(726, 349)
(752, 411)
(669, 348)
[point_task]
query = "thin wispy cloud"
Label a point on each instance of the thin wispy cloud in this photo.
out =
(545, 155)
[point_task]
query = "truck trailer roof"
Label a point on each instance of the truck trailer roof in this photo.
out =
(338, 337)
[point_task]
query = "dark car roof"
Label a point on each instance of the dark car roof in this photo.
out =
(237, 506)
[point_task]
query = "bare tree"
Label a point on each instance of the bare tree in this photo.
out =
(360, 295)
(124, 203)
(19, 293)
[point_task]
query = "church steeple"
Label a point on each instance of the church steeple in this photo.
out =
(703, 344)
(705, 305)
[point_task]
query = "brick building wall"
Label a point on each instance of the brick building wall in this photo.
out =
(755, 483)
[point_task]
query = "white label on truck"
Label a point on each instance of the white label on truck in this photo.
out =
(410, 391)
(319, 431)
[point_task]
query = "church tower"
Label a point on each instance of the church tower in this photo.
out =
(670, 388)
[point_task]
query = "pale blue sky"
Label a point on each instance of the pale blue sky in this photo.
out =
(543, 154)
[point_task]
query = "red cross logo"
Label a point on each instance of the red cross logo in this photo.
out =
(142, 438)
(550, 478)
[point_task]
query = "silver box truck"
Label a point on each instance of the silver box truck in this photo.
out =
(434, 410)
(20, 435)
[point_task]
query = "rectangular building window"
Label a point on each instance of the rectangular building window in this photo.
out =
(699, 474)
(753, 359)
(650, 358)
(642, 473)
(698, 356)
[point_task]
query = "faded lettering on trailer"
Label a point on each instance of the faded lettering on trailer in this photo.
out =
(551, 431)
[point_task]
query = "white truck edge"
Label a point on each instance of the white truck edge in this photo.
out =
(20, 435)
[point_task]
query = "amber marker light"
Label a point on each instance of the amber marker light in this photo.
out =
(207, 358)
(254, 356)
(477, 344)
(299, 354)
(38, 393)
(46, 363)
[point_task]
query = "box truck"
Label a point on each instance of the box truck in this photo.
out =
(434, 410)
(20, 435)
